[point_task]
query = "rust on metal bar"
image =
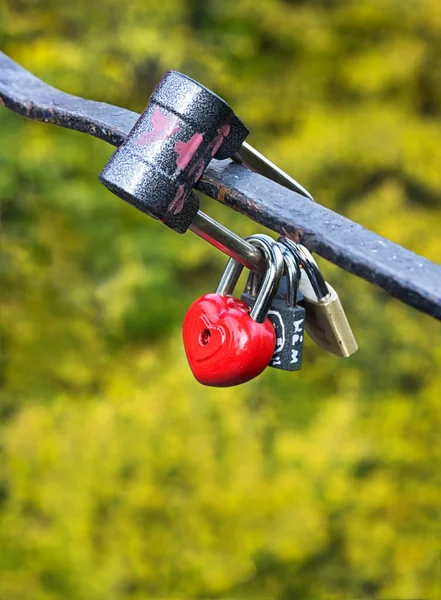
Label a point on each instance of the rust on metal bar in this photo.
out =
(412, 279)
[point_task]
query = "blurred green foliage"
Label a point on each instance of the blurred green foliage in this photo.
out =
(120, 476)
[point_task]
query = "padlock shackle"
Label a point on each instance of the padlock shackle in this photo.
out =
(230, 277)
(228, 242)
(292, 276)
(311, 268)
(272, 277)
(291, 271)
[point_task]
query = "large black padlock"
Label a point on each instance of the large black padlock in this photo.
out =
(183, 127)
(287, 316)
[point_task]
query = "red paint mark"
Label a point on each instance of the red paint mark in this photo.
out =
(163, 128)
(199, 173)
(197, 168)
(177, 204)
(222, 133)
(194, 167)
(186, 150)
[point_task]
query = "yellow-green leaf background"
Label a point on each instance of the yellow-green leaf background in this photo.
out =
(120, 476)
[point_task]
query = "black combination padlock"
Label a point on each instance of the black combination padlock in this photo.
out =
(184, 126)
(287, 316)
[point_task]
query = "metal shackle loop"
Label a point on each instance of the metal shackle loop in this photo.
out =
(272, 277)
(230, 277)
(255, 277)
(310, 267)
(292, 275)
(252, 284)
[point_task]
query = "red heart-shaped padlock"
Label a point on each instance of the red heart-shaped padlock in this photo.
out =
(224, 346)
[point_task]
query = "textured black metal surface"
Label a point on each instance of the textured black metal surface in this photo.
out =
(27, 95)
(400, 272)
(289, 325)
(165, 154)
(403, 274)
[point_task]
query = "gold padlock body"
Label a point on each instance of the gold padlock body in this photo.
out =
(327, 325)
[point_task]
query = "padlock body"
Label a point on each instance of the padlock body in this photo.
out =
(289, 325)
(281, 292)
(224, 346)
(183, 127)
(328, 326)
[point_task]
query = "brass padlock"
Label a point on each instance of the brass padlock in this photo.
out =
(326, 321)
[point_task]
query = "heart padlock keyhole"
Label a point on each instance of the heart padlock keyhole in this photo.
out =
(204, 338)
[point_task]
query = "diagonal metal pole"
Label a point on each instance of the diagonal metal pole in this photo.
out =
(412, 279)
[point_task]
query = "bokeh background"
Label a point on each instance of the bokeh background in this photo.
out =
(121, 477)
